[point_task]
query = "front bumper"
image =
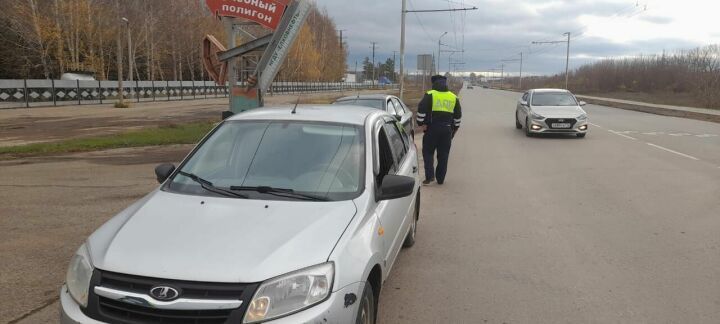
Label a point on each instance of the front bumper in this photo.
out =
(541, 127)
(332, 310)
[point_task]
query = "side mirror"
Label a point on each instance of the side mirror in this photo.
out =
(523, 103)
(583, 103)
(227, 114)
(398, 117)
(163, 171)
(395, 186)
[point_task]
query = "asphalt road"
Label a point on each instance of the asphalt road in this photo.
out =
(619, 227)
(606, 229)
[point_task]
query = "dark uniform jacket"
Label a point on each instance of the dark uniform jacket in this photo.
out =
(426, 116)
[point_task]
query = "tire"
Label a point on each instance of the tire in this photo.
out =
(581, 135)
(527, 128)
(366, 309)
(410, 238)
(517, 122)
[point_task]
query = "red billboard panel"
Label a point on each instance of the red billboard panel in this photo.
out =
(264, 12)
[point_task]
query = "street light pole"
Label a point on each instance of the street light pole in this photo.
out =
(521, 66)
(440, 51)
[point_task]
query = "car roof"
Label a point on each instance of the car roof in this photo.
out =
(549, 90)
(378, 96)
(342, 114)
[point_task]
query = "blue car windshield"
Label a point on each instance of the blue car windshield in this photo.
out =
(319, 159)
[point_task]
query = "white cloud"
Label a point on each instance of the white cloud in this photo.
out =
(503, 28)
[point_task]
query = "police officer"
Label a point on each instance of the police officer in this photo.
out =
(439, 115)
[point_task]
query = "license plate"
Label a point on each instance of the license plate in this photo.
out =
(561, 125)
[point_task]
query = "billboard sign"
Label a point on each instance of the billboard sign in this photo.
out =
(267, 13)
(425, 62)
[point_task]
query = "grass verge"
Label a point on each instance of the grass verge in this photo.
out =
(164, 135)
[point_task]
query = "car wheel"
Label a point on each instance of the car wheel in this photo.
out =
(366, 310)
(581, 135)
(410, 238)
(517, 122)
(527, 128)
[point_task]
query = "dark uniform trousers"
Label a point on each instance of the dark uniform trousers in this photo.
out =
(438, 137)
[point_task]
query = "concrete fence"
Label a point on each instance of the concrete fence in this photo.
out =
(44, 93)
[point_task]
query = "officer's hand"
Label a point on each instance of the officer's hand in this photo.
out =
(424, 128)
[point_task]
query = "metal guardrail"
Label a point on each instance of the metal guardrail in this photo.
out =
(47, 93)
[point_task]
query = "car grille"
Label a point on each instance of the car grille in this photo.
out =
(550, 121)
(112, 311)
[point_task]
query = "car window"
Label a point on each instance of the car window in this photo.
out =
(399, 107)
(321, 159)
(387, 162)
(372, 103)
(525, 97)
(396, 142)
(553, 99)
(391, 108)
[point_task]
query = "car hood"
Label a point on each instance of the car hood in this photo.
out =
(173, 236)
(558, 111)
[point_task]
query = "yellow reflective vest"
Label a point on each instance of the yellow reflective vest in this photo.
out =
(443, 101)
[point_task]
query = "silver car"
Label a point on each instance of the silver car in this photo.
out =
(275, 217)
(551, 111)
(392, 104)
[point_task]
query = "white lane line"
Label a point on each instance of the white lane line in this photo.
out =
(595, 125)
(623, 135)
(674, 152)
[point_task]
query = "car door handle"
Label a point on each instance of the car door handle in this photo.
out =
(414, 169)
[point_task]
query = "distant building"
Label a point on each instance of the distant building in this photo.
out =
(351, 77)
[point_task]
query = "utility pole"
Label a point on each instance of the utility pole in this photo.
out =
(402, 48)
(394, 77)
(521, 66)
(373, 63)
(440, 50)
(567, 58)
(342, 45)
(130, 55)
(567, 62)
(121, 89)
(402, 38)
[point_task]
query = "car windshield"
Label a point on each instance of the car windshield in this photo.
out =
(372, 103)
(316, 159)
(553, 99)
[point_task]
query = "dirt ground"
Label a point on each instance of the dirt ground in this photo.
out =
(24, 126)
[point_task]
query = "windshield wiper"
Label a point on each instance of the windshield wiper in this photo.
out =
(280, 192)
(207, 185)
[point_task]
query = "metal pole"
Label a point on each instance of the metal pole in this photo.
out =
(121, 101)
(373, 63)
(25, 93)
(402, 48)
(77, 90)
(52, 84)
(521, 66)
(100, 95)
(153, 88)
(440, 51)
(567, 62)
(130, 55)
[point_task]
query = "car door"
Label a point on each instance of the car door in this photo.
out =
(395, 215)
(523, 110)
(407, 117)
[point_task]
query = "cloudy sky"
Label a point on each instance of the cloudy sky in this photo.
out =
(501, 29)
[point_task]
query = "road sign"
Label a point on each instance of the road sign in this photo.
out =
(425, 62)
(267, 13)
(281, 42)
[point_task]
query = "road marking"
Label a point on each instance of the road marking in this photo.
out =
(623, 135)
(595, 125)
(674, 152)
(680, 134)
(706, 135)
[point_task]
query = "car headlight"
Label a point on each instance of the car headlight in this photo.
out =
(536, 116)
(78, 276)
(291, 293)
(582, 117)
